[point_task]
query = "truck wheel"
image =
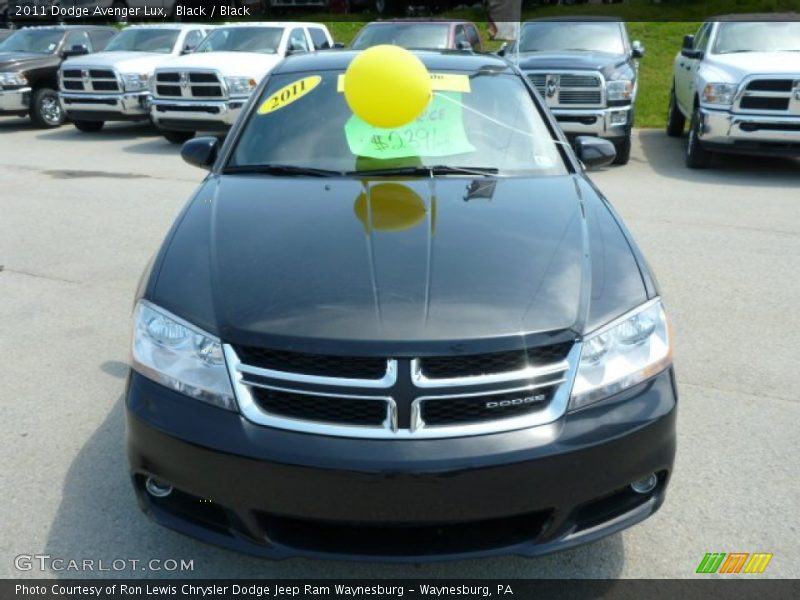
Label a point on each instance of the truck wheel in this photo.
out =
(697, 157)
(623, 150)
(89, 126)
(675, 119)
(178, 137)
(46, 110)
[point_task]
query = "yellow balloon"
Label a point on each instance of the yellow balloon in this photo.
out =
(387, 86)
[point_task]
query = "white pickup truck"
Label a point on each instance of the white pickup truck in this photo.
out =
(738, 83)
(206, 90)
(114, 85)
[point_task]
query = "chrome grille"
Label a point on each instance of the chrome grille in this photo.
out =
(428, 397)
(568, 89)
(90, 80)
(772, 96)
(189, 84)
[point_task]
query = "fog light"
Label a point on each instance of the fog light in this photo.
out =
(619, 118)
(645, 485)
(156, 488)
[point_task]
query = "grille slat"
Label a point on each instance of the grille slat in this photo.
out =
(444, 367)
(168, 90)
(189, 84)
(569, 89)
(342, 411)
(345, 367)
(460, 411)
(771, 96)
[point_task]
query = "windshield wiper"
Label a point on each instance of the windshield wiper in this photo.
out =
(428, 171)
(284, 170)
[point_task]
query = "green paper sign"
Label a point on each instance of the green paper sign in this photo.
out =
(438, 132)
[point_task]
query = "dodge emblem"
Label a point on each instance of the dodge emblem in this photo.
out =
(551, 86)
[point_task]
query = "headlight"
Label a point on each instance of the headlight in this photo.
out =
(629, 350)
(180, 356)
(621, 89)
(7, 78)
(135, 82)
(719, 93)
(240, 86)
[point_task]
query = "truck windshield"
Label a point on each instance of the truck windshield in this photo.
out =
(550, 36)
(758, 37)
(418, 36)
(242, 39)
(483, 122)
(41, 41)
(144, 40)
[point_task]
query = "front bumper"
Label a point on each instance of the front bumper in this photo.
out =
(15, 101)
(280, 494)
(105, 107)
(724, 131)
(194, 115)
(611, 123)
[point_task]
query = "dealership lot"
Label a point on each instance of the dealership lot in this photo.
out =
(81, 214)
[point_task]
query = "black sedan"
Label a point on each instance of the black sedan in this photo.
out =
(433, 342)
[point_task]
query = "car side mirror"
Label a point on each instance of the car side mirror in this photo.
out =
(594, 152)
(339, 45)
(637, 49)
(294, 49)
(503, 49)
(464, 45)
(76, 50)
(201, 152)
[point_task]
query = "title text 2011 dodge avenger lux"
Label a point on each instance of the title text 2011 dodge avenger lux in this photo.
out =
(427, 343)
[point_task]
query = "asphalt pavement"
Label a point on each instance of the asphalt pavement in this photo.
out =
(81, 214)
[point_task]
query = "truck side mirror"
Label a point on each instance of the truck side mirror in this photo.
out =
(637, 49)
(594, 152)
(338, 45)
(201, 152)
(503, 49)
(688, 42)
(76, 50)
(188, 48)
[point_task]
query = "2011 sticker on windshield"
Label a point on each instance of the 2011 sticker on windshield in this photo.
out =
(438, 132)
(289, 94)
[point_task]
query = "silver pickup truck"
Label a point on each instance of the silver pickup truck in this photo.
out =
(737, 82)
(114, 85)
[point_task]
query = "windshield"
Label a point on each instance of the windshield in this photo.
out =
(242, 39)
(407, 35)
(144, 40)
(548, 36)
(490, 126)
(41, 41)
(758, 37)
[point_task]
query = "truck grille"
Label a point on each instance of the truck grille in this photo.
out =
(569, 89)
(427, 397)
(189, 84)
(780, 95)
(90, 80)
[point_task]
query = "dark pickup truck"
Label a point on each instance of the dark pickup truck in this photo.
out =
(586, 71)
(29, 61)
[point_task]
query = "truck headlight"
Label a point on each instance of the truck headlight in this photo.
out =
(179, 355)
(240, 86)
(135, 82)
(625, 352)
(719, 93)
(620, 89)
(9, 78)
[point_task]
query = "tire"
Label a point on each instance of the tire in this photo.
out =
(697, 157)
(178, 137)
(676, 122)
(46, 111)
(89, 126)
(623, 150)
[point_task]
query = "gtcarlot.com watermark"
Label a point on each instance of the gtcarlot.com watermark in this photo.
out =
(46, 562)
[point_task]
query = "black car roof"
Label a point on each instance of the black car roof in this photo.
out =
(333, 60)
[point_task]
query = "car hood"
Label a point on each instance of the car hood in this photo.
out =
(312, 264)
(124, 62)
(736, 66)
(10, 61)
(243, 64)
(594, 61)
